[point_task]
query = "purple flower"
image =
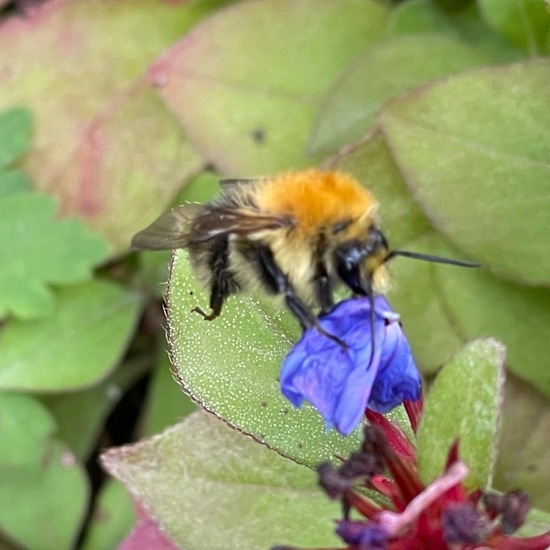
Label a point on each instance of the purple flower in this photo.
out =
(342, 382)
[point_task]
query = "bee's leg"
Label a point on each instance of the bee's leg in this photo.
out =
(323, 288)
(279, 283)
(217, 298)
(222, 280)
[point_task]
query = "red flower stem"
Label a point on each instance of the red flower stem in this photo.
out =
(414, 412)
(362, 504)
(396, 523)
(397, 439)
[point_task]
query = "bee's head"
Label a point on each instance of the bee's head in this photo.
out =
(360, 262)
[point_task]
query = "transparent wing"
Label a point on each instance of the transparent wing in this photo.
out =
(229, 183)
(216, 222)
(193, 224)
(171, 230)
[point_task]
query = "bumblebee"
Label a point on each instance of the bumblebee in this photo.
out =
(299, 235)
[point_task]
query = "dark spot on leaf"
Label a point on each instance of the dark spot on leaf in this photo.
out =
(264, 404)
(258, 135)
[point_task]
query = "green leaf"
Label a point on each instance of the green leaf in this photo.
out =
(166, 403)
(81, 415)
(74, 348)
(526, 23)
(386, 70)
(112, 519)
(464, 403)
(420, 16)
(13, 182)
(201, 188)
(538, 522)
(473, 150)
(442, 307)
(42, 485)
(43, 505)
(15, 131)
(454, 5)
(479, 304)
(231, 366)
(424, 16)
(24, 429)
(36, 250)
(371, 163)
(524, 456)
(250, 114)
(234, 494)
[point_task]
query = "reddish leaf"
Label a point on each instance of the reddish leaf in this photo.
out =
(104, 143)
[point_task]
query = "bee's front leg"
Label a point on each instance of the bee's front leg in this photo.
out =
(274, 277)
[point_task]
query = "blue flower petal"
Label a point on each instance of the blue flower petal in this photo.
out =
(341, 382)
(320, 378)
(398, 378)
(352, 402)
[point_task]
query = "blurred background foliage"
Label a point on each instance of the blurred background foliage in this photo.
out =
(112, 111)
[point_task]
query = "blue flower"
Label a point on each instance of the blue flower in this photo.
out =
(342, 382)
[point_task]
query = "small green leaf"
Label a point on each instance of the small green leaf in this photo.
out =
(25, 426)
(15, 132)
(473, 149)
(386, 70)
(526, 23)
(464, 403)
(231, 366)
(212, 487)
(74, 348)
(112, 519)
(250, 114)
(36, 250)
(43, 505)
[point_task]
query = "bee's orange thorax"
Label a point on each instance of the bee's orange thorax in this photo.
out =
(316, 198)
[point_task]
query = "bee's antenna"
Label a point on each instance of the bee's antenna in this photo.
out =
(430, 258)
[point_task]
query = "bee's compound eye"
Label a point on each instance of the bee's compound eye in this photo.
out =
(348, 258)
(377, 240)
